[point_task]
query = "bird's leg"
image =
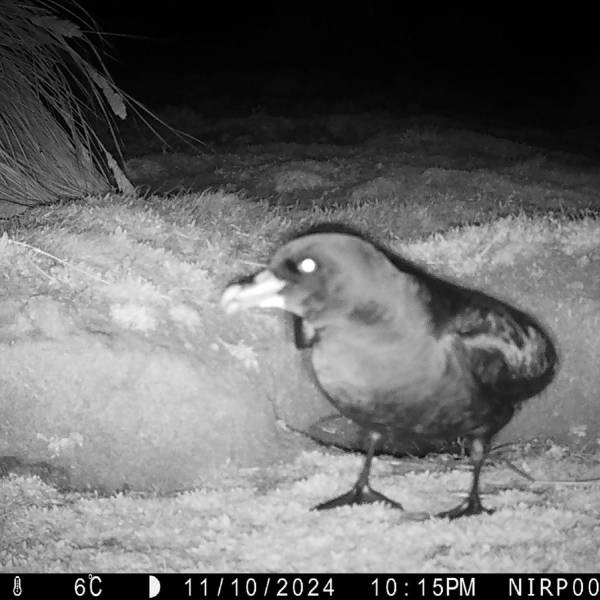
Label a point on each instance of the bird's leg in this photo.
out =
(362, 492)
(472, 505)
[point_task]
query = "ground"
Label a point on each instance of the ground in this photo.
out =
(142, 429)
(259, 520)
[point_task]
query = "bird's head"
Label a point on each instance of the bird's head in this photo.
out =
(319, 277)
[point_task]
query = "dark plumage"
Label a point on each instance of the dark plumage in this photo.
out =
(400, 351)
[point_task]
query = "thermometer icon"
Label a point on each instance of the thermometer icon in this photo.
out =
(17, 589)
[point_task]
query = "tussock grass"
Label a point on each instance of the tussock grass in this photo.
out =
(54, 85)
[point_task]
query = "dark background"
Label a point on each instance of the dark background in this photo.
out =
(538, 68)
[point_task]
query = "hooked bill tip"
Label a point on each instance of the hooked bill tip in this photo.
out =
(229, 301)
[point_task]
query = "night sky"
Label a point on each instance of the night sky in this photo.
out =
(542, 68)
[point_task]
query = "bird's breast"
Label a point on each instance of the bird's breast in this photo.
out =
(410, 384)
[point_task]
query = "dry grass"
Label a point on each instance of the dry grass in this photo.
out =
(54, 86)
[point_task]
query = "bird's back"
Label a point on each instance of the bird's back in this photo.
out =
(511, 353)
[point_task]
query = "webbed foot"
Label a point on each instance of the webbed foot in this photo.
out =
(363, 494)
(467, 508)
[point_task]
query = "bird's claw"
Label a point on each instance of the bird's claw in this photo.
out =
(467, 508)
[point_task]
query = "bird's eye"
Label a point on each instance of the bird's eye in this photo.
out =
(307, 265)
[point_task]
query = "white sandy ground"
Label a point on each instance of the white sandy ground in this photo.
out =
(258, 520)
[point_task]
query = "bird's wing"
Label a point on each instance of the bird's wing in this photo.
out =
(508, 352)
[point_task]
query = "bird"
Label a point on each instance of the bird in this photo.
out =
(403, 352)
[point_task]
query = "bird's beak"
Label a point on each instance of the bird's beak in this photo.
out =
(262, 291)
